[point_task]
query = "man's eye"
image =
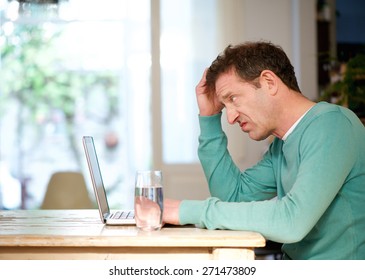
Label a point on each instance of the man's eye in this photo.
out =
(232, 98)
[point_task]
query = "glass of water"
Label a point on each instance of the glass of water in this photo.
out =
(148, 200)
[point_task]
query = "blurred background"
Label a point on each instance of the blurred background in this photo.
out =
(124, 72)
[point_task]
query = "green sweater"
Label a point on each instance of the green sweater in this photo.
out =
(307, 192)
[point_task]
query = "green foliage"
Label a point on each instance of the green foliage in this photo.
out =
(35, 75)
(350, 90)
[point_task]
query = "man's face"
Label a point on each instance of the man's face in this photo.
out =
(246, 105)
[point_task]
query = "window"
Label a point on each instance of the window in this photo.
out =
(68, 70)
(83, 67)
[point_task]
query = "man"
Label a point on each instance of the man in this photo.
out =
(308, 191)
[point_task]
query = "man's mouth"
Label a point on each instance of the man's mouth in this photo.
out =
(243, 125)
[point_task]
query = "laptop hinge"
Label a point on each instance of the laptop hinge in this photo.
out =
(106, 216)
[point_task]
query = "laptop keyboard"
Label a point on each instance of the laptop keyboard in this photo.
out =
(123, 215)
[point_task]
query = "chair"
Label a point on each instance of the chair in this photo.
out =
(272, 250)
(67, 190)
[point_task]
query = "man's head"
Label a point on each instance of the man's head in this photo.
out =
(255, 82)
(248, 60)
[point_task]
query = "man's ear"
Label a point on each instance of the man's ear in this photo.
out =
(270, 81)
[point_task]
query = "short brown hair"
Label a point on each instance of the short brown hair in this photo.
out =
(249, 60)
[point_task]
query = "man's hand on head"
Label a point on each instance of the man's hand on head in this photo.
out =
(207, 101)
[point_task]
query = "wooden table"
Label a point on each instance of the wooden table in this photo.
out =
(79, 234)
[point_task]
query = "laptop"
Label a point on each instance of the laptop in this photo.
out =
(117, 217)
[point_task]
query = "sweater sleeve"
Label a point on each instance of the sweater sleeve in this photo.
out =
(225, 180)
(326, 160)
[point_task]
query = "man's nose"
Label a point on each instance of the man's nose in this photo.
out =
(232, 116)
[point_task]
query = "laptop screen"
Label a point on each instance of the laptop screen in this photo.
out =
(95, 173)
